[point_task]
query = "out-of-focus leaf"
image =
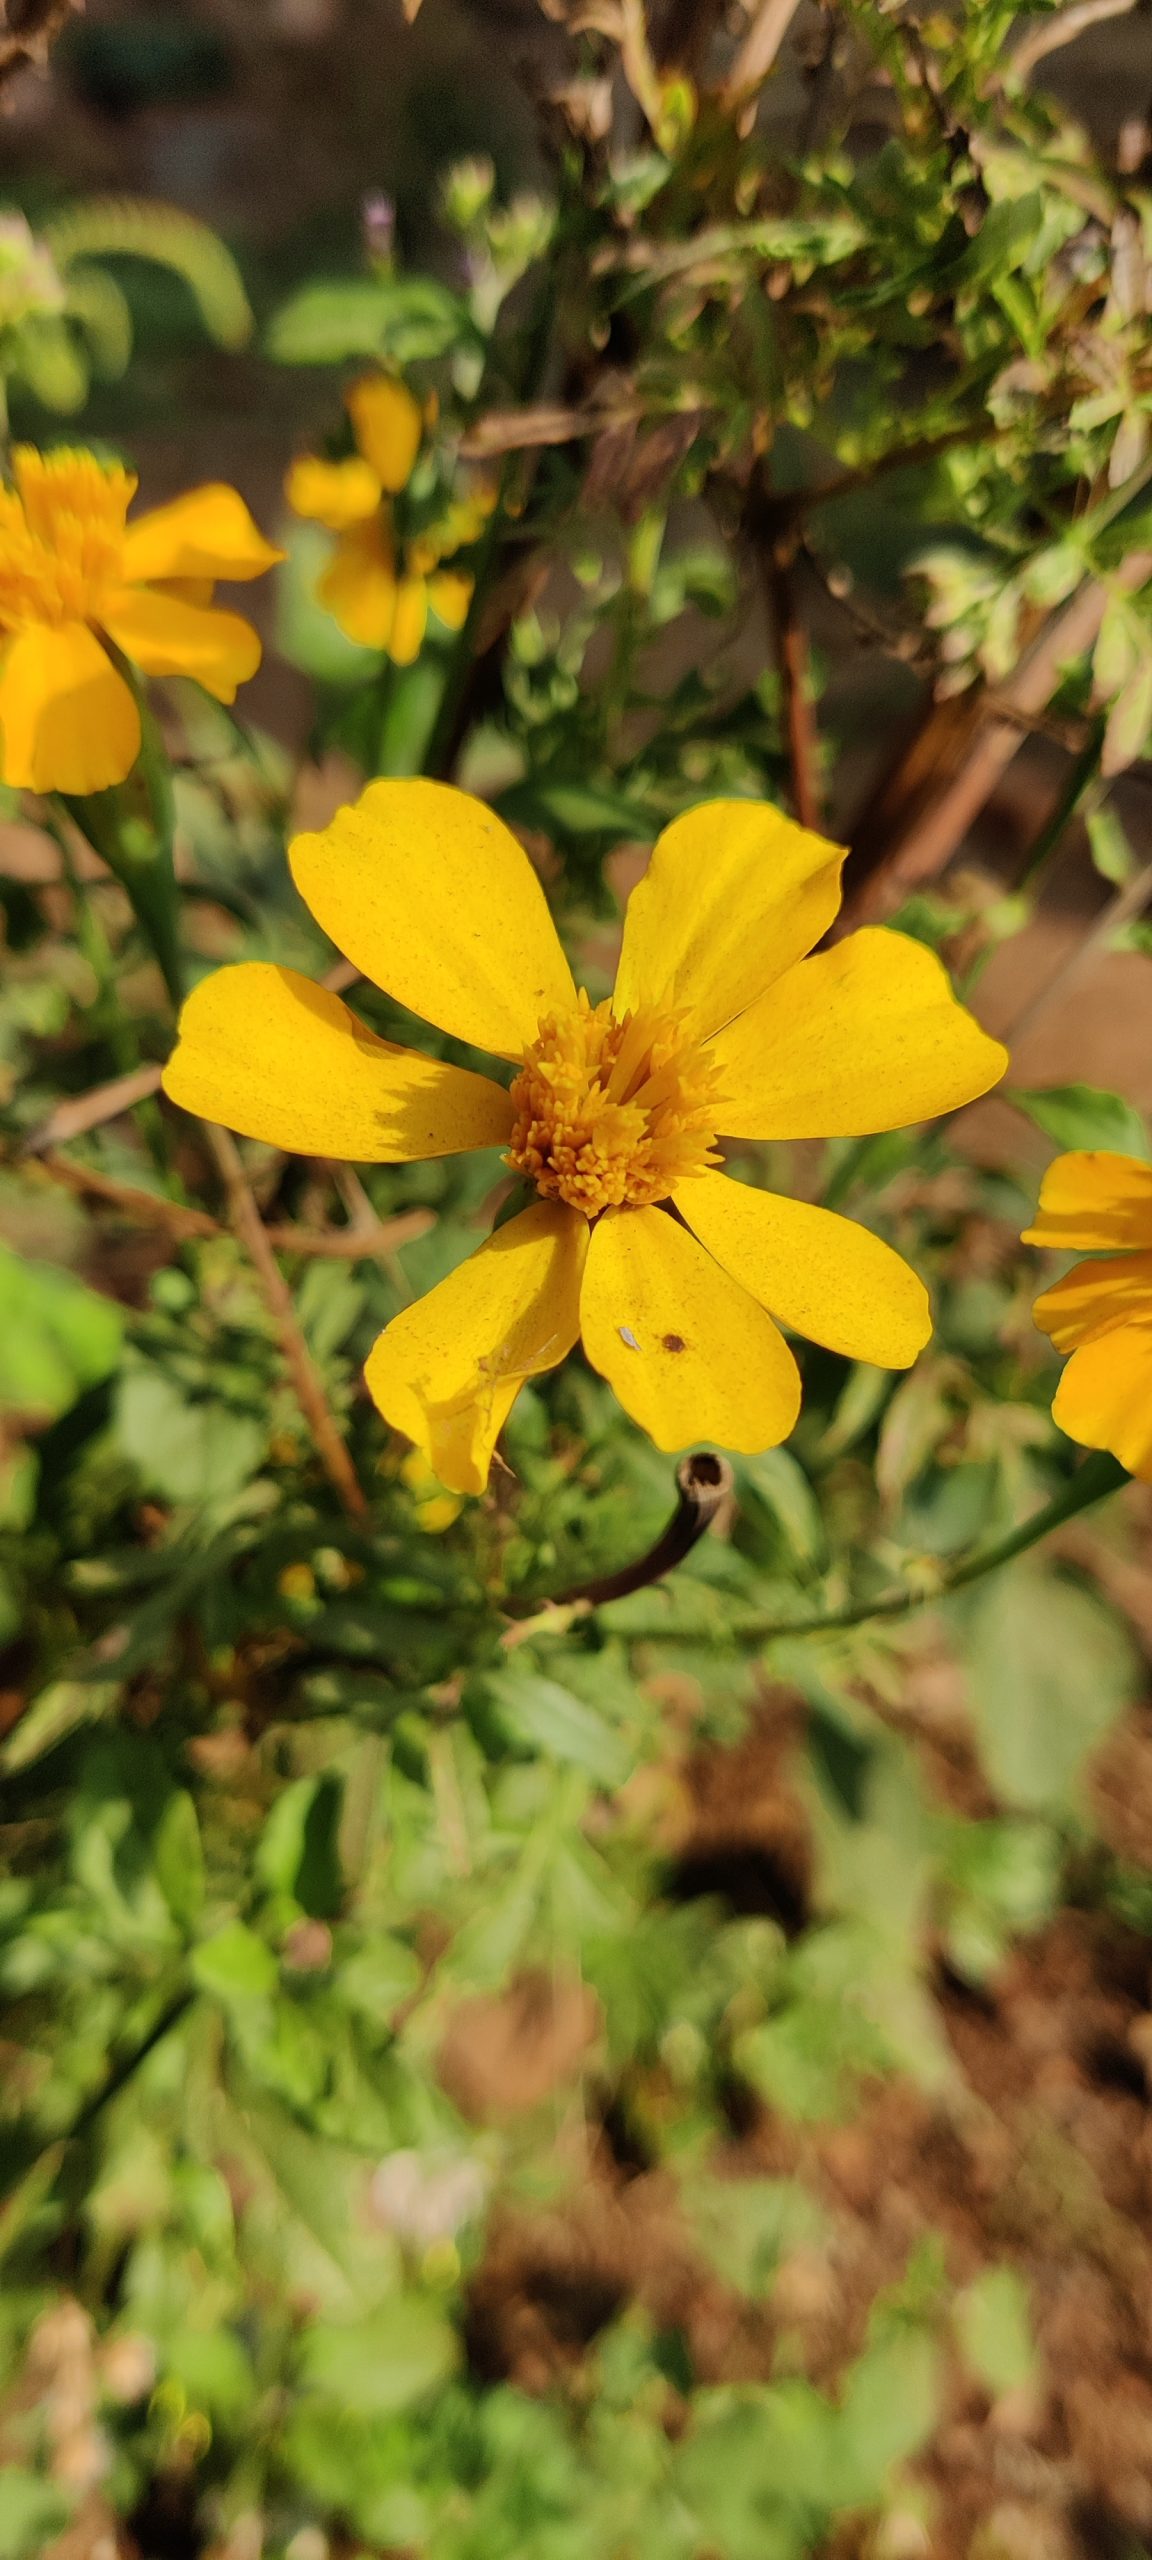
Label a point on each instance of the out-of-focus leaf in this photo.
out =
(185, 1451)
(375, 2367)
(235, 1964)
(298, 1852)
(994, 2330)
(543, 1713)
(56, 1337)
(1050, 1669)
(1083, 1115)
(32, 2511)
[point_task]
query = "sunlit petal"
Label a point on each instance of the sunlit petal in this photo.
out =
(67, 718)
(208, 533)
(336, 494)
(733, 895)
(1104, 1398)
(166, 636)
(829, 1278)
(1092, 1201)
(689, 1353)
(409, 621)
(428, 892)
(447, 1371)
(388, 425)
(1095, 1298)
(864, 1037)
(359, 584)
(268, 1053)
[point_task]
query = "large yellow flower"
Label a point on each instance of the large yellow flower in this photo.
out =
(635, 1242)
(380, 585)
(1101, 1311)
(74, 574)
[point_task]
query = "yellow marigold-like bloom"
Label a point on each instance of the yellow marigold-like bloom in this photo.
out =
(74, 575)
(379, 586)
(719, 1025)
(1092, 1202)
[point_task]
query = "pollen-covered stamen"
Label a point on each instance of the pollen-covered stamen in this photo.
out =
(61, 537)
(614, 1113)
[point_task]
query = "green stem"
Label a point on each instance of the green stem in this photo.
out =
(1099, 1476)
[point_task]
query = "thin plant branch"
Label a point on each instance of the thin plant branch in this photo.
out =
(1128, 903)
(704, 1485)
(1099, 1476)
(360, 1241)
(1053, 33)
(920, 822)
(758, 52)
(794, 669)
(310, 1396)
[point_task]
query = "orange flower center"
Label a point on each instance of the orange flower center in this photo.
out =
(612, 1113)
(61, 537)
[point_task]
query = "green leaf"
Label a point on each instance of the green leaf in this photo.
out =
(32, 2512)
(545, 1715)
(56, 1337)
(375, 2367)
(299, 1848)
(235, 1965)
(186, 1452)
(1049, 1671)
(1083, 1115)
(408, 319)
(994, 2331)
(58, 1711)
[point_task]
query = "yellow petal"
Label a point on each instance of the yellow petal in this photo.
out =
(428, 892)
(264, 1051)
(450, 594)
(337, 494)
(832, 1280)
(689, 1353)
(67, 718)
(1095, 1298)
(388, 425)
(1091, 1201)
(168, 637)
(733, 894)
(208, 533)
(447, 1371)
(1104, 1398)
(359, 585)
(864, 1037)
(409, 621)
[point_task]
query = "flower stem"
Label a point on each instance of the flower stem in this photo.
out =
(1099, 1476)
(704, 1484)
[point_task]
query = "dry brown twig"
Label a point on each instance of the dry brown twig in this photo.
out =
(1053, 33)
(923, 811)
(361, 1241)
(29, 29)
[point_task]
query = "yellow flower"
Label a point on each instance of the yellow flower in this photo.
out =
(74, 575)
(379, 587)
(1101, 1311)
(718, 1026)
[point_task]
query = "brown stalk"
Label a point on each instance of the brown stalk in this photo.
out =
(923, 810)
(357, 1242)
(759, 49)
(704, 1485)
(794, 669)
(249, 1227)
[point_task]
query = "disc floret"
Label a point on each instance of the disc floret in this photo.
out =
(613, 1112)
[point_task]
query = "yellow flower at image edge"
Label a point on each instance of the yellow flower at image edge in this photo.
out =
(379, 588)
(669, 1272)
(75, 576)
(1101, 1312)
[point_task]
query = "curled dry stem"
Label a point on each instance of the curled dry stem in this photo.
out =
(704, 1485)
